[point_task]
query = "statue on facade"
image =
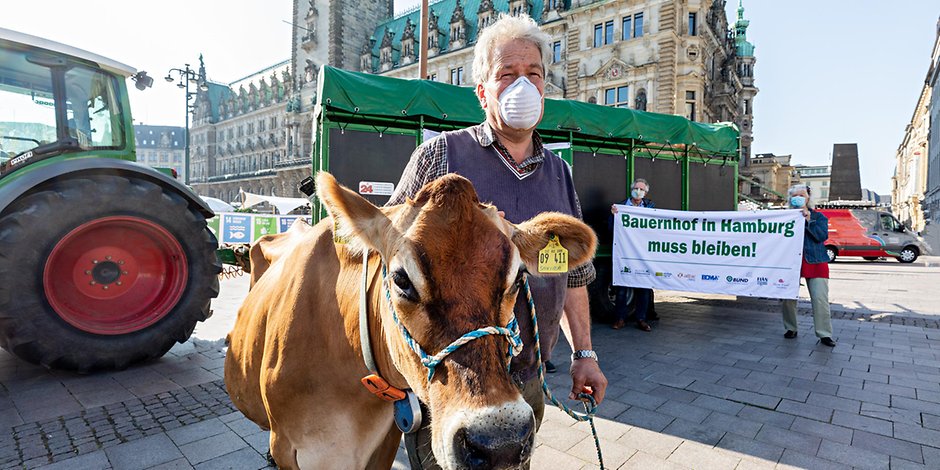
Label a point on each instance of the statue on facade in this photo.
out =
(310, 71)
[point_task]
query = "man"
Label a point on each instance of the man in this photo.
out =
(510, 168)
(643, 298)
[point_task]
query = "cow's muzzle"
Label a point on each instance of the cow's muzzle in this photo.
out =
(498, 438)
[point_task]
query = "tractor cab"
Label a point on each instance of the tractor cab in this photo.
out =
(55, 101)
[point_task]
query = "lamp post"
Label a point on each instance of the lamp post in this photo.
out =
(186, 75)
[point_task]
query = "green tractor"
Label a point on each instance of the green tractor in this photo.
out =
(103, 262)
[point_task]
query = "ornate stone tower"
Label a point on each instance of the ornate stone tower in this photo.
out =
(745, 64)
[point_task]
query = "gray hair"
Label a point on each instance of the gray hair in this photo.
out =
(507, 28)
(799, 187)
(641, 180)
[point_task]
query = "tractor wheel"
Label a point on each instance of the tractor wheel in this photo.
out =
(102, 271)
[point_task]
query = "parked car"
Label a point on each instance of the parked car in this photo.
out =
(871, 234)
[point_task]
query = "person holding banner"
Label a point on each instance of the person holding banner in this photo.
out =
(815, 269)
(642, 297)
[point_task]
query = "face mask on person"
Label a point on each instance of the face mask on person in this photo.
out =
(797, 202)
(520, 104)
(638, 193)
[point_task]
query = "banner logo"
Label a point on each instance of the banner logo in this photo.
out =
(709, 277)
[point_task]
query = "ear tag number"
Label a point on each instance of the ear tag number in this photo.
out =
(554, 257)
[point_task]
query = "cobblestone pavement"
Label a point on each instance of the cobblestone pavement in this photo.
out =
(714, 385)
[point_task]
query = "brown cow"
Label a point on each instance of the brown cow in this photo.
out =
(295, 362)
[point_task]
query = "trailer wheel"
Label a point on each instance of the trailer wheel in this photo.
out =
(103, 271)
(909, 254)
(832, 252)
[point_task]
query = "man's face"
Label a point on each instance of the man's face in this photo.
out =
(511, 60)
(641, 186)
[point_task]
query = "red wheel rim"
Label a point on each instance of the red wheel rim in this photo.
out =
(115, 275)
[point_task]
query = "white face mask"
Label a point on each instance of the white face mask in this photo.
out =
(520, 105)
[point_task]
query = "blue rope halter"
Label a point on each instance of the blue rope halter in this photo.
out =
(510, 331)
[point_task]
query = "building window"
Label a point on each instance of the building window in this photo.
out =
(690, 105)
(693, 30)
(625, 31)
(617, 97)
(638, 25)
(556, 52)
(609, 32)
(747, 106)
(456, 76)
(598, 35)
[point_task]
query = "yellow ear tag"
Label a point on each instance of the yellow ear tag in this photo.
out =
(554, 257)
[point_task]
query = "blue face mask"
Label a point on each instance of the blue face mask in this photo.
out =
(638, 193)
(797, 201)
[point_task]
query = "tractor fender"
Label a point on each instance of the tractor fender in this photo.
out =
(78, 167)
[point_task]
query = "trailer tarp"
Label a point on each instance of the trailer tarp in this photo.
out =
(377, 96)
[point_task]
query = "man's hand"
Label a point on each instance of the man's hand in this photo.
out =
(613, 209)
(586, 376)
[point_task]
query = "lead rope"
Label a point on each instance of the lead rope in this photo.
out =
(590, 409)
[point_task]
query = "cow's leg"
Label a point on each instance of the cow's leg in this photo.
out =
(384, 456)
(283, 452)
(346, 438)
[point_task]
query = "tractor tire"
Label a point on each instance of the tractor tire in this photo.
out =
(103, 271)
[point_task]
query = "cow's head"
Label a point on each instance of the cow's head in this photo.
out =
(455, 265)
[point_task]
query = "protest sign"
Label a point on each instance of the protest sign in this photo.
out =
(754, 253)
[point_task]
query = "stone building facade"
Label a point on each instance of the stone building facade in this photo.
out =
(665, 56)
(161, 147)
(931, 203)
(909, 183)
(816, 177)
(771, 177)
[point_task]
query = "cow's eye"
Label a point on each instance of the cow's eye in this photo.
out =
(404, 285)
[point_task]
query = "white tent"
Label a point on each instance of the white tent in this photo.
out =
(218, 205)
(283, 204)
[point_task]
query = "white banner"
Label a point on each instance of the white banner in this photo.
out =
(753, 253)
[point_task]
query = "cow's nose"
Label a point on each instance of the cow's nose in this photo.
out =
(494, 446)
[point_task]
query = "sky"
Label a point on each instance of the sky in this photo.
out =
(833, 71)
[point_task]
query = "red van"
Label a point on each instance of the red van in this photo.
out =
(871, 234)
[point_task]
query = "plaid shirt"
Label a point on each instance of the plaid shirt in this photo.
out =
(429, 162)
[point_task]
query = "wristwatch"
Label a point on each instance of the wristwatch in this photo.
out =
(583, 354)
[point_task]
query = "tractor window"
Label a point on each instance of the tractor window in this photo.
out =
(93, 110)
(27, 108)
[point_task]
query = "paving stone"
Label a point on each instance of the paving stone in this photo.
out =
(644, 461)
(889, 389)
(694, 432)
(857, 374)
(548, 457)
(671, 393)
(864, 423)
(824, 377)
(931, 457)
(895, 415)
(918, 405)
(245, 458)
(688, 412)
(615, 453)
(820, 429)
(834, 402)
(755, 399)
(931, 421)
(794, 460)
(898, 463)
(559, 435)
(918, 434)
(740, 383)
(610, 410)
(694, 455)
(927, 395)
(750, 449)
(888, 445)
(788, 393)
(789, 439)
(143, 453)
(672, 380)
(851, 455)
(646, 419)
(864, 395)
(195, 432)
(733, 424)
(753, 413)
(718, 404)
(817, 413)
(91, 461)
(643, 400)
(711, 389)
(212, 447)
(649, 442)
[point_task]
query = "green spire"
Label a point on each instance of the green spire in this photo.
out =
(742, 46)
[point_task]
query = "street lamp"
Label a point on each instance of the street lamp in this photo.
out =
(186, 75)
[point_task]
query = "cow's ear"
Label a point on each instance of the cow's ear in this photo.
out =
(533, 235)
(356, 221)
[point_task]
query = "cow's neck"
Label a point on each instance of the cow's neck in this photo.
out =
(377, 305)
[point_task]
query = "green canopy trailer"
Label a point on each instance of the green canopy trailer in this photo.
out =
(367, 126)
